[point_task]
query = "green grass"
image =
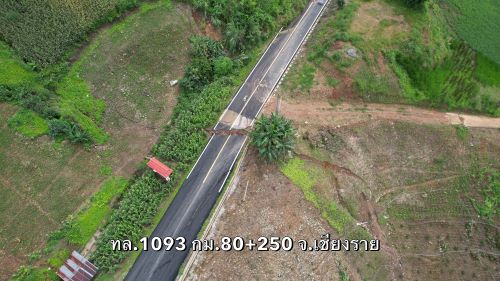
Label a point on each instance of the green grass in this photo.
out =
(306, 77)
(28, 123)
(86, 223)
(462, 132)
(478, 23)
(78, 103)
(306, 177)
(58, 258)
(332, 82)
(27, 273)
(13, 70)
(373, 87)
(487, 71)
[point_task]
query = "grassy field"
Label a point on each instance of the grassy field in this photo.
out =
(47, 181)
(477, 22)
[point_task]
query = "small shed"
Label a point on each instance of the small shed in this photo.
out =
(160, 168)
(77, 268)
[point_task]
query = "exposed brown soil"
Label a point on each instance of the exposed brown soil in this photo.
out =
(206, 27)
(321, 113)
(272, 207)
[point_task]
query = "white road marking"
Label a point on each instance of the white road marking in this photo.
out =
(256, 88)
(248, 77)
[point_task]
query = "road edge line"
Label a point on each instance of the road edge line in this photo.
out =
(214, 216)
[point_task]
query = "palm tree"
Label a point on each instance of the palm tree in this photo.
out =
(273, 137)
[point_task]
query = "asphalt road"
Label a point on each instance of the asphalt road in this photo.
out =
(198, 194)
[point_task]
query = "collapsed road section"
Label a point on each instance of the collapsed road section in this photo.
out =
(198, 194)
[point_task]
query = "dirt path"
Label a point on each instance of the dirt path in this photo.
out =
(325, 114)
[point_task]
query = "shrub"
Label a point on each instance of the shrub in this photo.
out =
(273, 137)
(223, 66)
(62, 129)
(136, 210)
(58, 258)
(204, 47)
(198, 74)
(59, 128)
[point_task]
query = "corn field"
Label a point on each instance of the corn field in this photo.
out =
(44, 31)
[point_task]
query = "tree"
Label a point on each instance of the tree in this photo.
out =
(341, 3)
(414, 3)
(273, 137)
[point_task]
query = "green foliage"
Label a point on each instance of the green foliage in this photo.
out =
(29, 98)
(136, 210)
(28, 123)
(80, 229)
(336, 29)
(13, 70)
(343, 275)
(415, 3)
(340, 4)
(223, 66)
(306, 177)
(273, 137)
(105, 170)
(58, 258)
(306, 77)
(437, 71)
(28, 273)
(198, 74)
(296, 171)
(46, 39)
(183, 140)
(209, 62)
(247, 23)
(489, 181)
(332, 81)
(476, 22)
(462, 132)
(77, 103)
(62, 129)
(372, 87)
(487, 71)
(204, 47)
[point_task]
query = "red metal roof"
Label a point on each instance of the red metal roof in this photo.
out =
(77, 268)
(160, 168)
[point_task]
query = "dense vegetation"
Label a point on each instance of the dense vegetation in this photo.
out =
(137, 209)
(477, 22)
(44, 31)
(51, 94)
(209, 83)
(273, 137)
(439, 70)
(247, 23)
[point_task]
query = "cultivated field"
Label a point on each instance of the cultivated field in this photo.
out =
(129, 69)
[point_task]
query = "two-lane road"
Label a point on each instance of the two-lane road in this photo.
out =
(199, 192)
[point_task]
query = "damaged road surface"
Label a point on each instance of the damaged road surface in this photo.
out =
(199, 192)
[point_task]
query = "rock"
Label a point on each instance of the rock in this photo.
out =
(173, 82)
(353, 53)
